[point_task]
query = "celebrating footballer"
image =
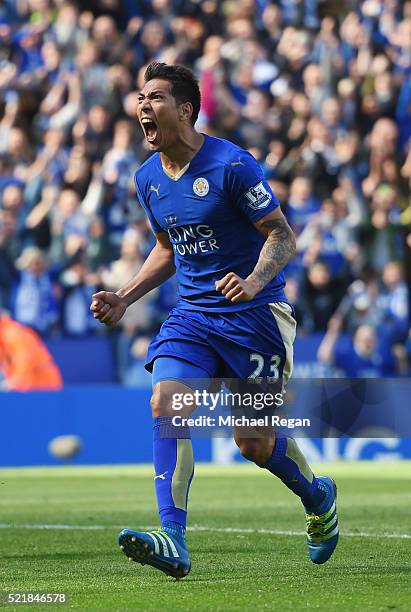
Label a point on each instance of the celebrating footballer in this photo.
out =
(220, 229)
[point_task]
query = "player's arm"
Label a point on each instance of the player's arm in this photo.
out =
(109, 307)
(277, 251)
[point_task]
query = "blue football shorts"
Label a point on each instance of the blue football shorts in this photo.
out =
(252, 343)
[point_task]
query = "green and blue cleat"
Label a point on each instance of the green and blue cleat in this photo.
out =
(322, 524)
(158, 549)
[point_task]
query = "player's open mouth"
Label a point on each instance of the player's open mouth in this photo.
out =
(150, 129)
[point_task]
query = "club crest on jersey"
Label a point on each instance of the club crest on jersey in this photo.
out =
(201, 187)
(258, 196)
(171, 220)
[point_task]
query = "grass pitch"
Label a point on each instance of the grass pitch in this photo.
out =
(59, 526)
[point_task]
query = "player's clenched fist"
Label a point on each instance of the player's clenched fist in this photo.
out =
(237, 289)
(107, 307)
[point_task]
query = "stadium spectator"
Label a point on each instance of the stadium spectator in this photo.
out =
(139, 318)
(394, 302)
(326, 237)
(93, 131)
(34, 301)
(363, 358)
(77, 281)
(359, 306)
(25, 362)
(320, 294)
(136, 375)
(302, 203)
(70, 226)
(9, 250)
(12, 200)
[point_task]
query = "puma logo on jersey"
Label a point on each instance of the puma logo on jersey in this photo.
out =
(161, 476)
(156, 189)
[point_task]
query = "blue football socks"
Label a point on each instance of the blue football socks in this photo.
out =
(289, 464)
(174, 470)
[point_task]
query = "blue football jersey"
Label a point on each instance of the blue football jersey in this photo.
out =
(208, 214)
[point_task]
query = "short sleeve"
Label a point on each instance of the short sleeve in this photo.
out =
(153, 222)
(247, 187)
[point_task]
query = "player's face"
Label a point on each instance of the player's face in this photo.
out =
(158, 115)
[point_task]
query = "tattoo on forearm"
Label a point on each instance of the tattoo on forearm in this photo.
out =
(277, 251)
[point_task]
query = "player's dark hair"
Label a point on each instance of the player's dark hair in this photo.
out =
(184, 85)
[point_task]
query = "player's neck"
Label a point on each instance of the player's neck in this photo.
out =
(182, 152)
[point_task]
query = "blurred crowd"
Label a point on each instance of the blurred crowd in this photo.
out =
(318, 91)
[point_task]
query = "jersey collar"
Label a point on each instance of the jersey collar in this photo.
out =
(190, 163)
(177, 176)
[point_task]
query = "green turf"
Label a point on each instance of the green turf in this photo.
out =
(231, 571)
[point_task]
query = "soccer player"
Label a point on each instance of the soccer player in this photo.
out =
(219, 226)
